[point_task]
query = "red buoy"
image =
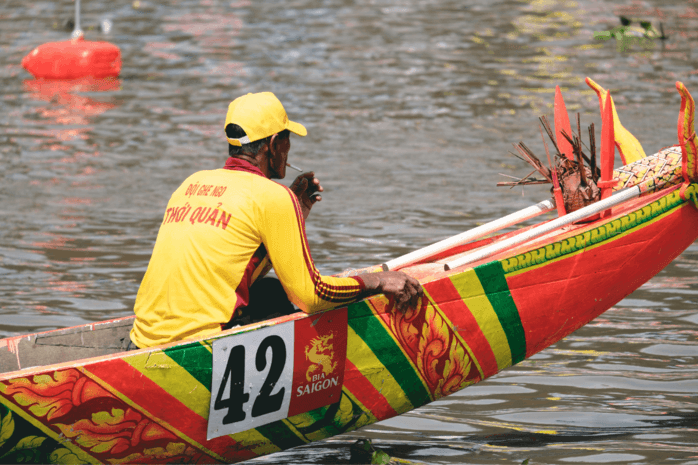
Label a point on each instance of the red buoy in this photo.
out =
(72, 59)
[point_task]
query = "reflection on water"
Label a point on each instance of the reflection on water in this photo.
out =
(411, 108)
(66, 104)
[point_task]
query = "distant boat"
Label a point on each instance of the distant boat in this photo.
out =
(74, 396)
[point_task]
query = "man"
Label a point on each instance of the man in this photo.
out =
(224, 229)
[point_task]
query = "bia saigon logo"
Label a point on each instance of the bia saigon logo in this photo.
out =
(320, 351)
(320, 354)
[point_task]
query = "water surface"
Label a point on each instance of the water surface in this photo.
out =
(411, 109)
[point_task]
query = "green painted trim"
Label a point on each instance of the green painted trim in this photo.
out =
(22, 442)
(280, 435)
(196, 359)
(359, 310)
(597, 235)
(387, 351)
(491, 276)
(21, 419)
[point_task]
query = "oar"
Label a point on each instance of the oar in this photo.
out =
(545, 228)
(468, 236)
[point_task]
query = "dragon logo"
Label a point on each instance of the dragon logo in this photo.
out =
(320, 354)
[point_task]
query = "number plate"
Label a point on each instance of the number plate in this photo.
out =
(276, 372)
(252, 379)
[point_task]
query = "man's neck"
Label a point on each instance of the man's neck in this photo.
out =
(243, 164)
(258, 161)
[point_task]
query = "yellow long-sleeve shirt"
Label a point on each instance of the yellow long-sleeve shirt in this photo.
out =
(221, 231)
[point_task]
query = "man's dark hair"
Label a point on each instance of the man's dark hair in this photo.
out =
(236, 132)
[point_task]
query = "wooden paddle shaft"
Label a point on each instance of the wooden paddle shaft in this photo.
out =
(468, 236)
(545, 228)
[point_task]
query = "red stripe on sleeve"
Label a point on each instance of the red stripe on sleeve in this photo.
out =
(327, 292)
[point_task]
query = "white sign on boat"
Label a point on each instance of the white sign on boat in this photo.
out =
(252, 379)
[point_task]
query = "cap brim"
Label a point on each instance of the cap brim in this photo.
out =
(296, 128)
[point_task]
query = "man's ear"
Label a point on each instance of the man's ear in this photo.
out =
(274, 144)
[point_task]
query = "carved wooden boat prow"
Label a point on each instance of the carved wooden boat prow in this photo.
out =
(74, 396)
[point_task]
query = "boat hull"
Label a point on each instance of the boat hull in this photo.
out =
(153, 405)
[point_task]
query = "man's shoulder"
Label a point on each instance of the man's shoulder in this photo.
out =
(224, 176)
(268, 190)
(265, 192)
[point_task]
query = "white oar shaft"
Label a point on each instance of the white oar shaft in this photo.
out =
(545, 228)
(468, 236)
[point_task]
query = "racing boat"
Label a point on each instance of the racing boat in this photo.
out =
(75, 396)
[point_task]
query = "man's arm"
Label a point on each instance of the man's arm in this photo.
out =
(283, 231)
(405, 289)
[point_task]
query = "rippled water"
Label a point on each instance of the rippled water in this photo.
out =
(411, 107)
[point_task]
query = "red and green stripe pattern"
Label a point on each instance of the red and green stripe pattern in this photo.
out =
(479, 304)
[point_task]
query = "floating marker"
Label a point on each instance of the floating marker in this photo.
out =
(75, 58)
(72, 59)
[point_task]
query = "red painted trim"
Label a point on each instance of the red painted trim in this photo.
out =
(135, 386)
(366, 393)
(453, 307)
(608, 150)
(549, 297)
(562, 122)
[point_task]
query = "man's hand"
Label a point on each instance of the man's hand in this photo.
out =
(404, 288)
(307, 188)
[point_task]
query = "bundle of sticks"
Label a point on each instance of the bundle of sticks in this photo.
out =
(577, 180)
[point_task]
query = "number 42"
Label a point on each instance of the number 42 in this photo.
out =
(266, 402)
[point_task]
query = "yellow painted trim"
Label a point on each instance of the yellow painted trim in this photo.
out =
(473, 294)
(591, 247)
(627, 143)
(295, 431)
(402, 349)
(375, 372)
(458, 336)
(256, 442)
(366, 410)
(207, 343)
(166, 373)
(145, 412)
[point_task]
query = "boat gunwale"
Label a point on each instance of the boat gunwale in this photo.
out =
(562, 233)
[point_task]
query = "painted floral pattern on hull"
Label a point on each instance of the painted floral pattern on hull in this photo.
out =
(430, 342)
(75, 407)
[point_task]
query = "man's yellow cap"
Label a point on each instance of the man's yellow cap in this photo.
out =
(260, 115)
